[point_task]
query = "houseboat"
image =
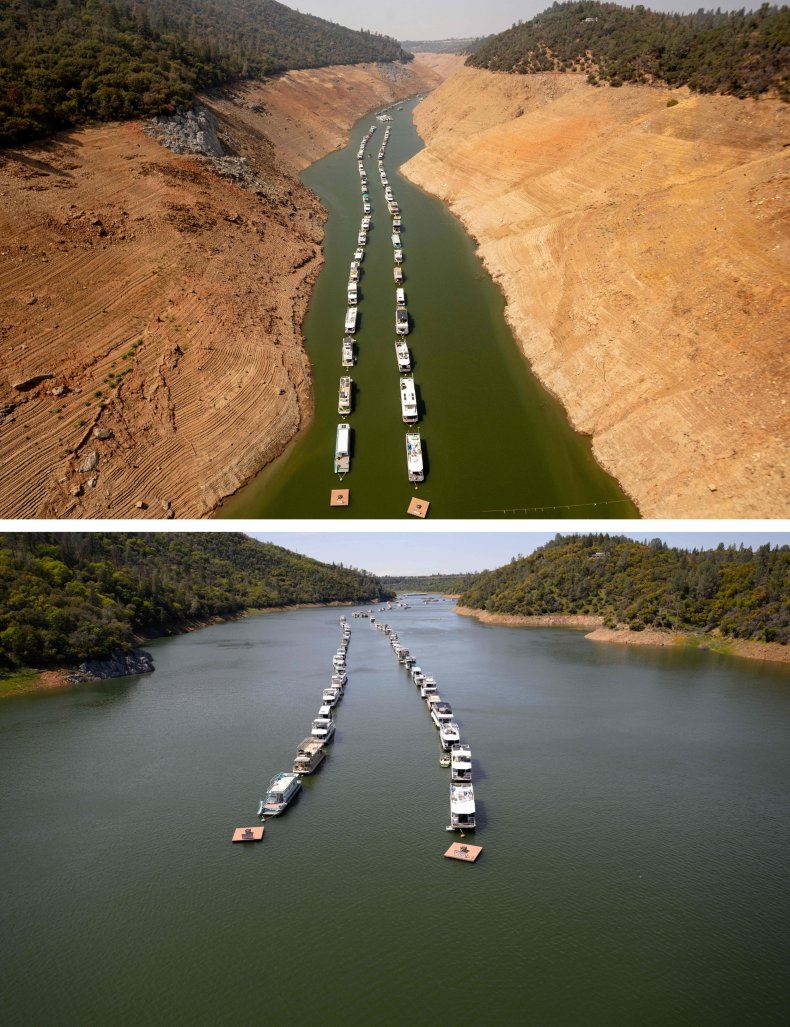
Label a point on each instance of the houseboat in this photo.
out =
(398, 256)
(396, 240)
(344, 396)
(397, 274)
(309, 754)
(462, 807)
(449, 734)
(408, 400)
(343, 449)
(353, 274)
(323, 728)
(442, 713)
(461, 764)
(347, 353)
(414, 463)
(403, 356)
(331, 696)
(353, 293)
(401, 321)
(282, 788)
(351, 320)
(400, 297)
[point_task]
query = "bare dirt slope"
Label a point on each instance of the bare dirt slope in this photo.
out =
(643, 251)
(150, 310)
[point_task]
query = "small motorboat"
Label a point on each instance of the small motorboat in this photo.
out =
(444, 759)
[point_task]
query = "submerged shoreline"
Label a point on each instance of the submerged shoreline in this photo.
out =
(750, 650)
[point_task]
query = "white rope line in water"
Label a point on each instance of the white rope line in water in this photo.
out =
(560, 506)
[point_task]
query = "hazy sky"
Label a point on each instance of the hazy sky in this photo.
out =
(451, 551)
(440, 19)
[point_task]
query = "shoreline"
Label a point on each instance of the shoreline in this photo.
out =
(54, 679)
(160, 365)
(652, 637)
(596, 260)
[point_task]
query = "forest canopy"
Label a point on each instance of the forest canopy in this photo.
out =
(734, 591)
(65, 62)
(741, 53)
(65, 598)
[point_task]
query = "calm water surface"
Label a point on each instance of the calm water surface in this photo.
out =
(493, 438)
(633, 809)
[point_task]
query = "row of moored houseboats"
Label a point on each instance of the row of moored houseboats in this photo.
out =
(408, 392)
(311, 751)
(456, 754)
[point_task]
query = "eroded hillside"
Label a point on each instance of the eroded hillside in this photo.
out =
(150, 308)
(643, 252)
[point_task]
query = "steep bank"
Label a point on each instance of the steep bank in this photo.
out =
(643, 253)
(770, 651)
(150, 308)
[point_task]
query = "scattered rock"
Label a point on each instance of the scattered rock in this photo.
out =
(117, 665)
(77, 490)
(192, 131)
(141, 505)
(713, 488)
(170, 515)
(102, 433)
(165, 504)
(59, 390)
(90, 463)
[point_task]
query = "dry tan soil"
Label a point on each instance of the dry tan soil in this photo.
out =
(163, 303)
(643, 252)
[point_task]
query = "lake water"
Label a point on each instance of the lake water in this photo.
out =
(493, 438)
(632, 804)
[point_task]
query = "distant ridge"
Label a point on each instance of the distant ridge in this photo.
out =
(68, 62)
(467, 45)
(740, 53)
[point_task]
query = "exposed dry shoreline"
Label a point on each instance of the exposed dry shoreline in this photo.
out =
(151, 357)
(644, 255)
(623, 636)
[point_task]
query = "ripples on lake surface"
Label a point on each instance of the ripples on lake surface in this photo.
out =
(632, 807)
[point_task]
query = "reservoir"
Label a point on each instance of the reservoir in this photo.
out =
(493, 439)
(632, 808)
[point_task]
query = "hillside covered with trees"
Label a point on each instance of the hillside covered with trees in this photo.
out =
(742, 53)
(452, 584)
(65, 62)
(70, 597)
(738, 592)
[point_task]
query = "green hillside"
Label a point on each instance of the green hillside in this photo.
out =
(742, 53)
(741, 593)
(65, 62)
(69, 597)
(452, 584)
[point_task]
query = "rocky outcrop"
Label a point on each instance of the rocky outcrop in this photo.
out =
(188, 131)
(119, 665)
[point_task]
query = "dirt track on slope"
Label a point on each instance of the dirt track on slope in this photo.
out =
(151, 359)
(643, 252)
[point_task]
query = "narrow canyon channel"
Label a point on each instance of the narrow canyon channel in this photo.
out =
(631, 807)
(495, 443)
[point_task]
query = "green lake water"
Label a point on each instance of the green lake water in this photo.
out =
(494, 440)
(632, 807)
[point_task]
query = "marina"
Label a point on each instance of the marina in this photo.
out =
(519, 443)
(641, 840)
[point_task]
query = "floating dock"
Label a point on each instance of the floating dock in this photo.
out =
(248, 834)
(466, 853)
(418, 508)
(340, 497)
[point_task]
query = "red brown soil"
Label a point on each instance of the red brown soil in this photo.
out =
(643, 251)
(163, 303)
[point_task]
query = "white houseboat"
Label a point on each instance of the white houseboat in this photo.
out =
(462, 807)
(323, 728)
(343, 449)
(282, 788)
(461, 763)
(414, 463)
(442, 713)
(449, 734)
(353, 293)
(397, 274)
(347, 353)
(401, 321)
(396, 240)
(408, 401)
(400, 297)
(351, 320)
(403, 356)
